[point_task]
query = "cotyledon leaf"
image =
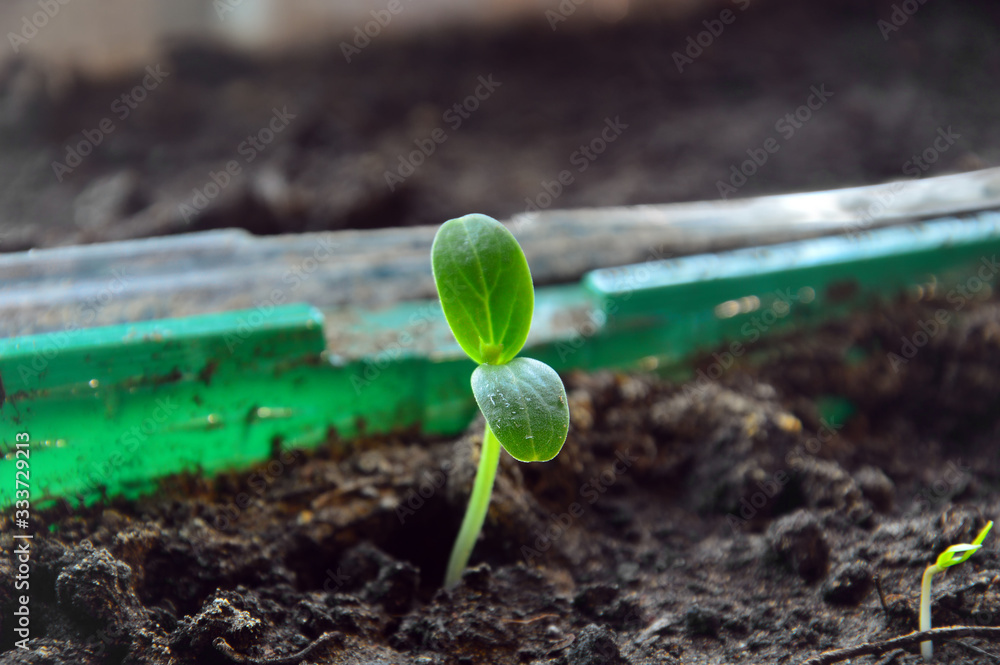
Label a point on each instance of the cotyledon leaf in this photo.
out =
(524, 402)
(957, 554)
(485, 287)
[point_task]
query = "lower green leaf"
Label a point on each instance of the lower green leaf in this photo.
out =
(525, 405)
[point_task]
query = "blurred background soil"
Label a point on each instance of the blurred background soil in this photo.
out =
(558, 80)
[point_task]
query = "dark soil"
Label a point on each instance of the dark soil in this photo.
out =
(891, 94)
(738, 520)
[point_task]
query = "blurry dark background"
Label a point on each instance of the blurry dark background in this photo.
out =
(208, 78)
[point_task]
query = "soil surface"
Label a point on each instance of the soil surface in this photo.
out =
(736, 520)
(677, 129)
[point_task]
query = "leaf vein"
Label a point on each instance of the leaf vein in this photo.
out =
(482, 277)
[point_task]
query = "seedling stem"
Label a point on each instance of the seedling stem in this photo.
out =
(475, 514)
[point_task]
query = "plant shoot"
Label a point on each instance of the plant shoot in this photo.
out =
(486, 293)
(952, 556)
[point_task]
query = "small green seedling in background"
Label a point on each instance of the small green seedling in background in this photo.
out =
(487, 296)
(952, 556)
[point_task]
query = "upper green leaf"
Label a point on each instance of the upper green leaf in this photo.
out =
(485, 287)
(957, 554)
(982, 534)
(524, 402)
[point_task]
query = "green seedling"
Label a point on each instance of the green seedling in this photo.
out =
(487, 296)
(952, 556)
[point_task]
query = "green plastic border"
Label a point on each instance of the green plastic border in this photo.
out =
(111, 411)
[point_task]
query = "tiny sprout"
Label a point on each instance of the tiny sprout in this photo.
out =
(952, 556)
(488, 298)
